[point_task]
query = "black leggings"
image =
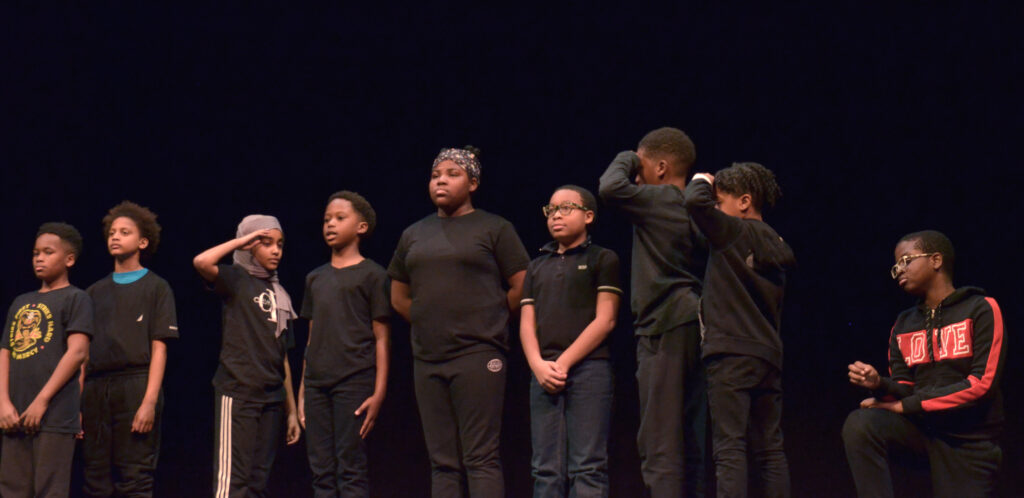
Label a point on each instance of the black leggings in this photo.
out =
(460, 402)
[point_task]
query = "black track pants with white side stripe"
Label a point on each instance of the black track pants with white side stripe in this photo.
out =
(246, 437)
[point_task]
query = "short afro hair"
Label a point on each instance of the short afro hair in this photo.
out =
(66, 232)
(144, 219)
(749, 178)
(934, 241)
(361, 206)
(671, 142)
(589, 201)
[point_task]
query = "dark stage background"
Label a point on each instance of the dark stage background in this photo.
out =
(878, 120)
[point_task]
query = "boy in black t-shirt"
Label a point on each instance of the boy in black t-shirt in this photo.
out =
(44, 343)
(253, 384)
(345, 373)
(569, 304)
(122, 400)
(740, 311)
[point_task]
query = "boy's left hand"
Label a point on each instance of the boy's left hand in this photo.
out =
(372, 407)
(33, 415)
(144, 418)
(294, 431)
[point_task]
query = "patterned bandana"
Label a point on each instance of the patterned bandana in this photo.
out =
(464, 158)
(250, 224)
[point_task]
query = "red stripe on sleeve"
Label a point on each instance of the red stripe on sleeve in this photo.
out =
(979, 387)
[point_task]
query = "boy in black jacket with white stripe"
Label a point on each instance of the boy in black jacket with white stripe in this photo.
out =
(740, 311)
(942, 398)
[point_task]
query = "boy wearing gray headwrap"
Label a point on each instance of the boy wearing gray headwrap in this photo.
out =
(253, 386)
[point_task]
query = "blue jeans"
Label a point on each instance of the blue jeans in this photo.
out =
(570, 433)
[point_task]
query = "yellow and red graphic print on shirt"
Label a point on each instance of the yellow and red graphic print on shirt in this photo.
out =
(32, 323)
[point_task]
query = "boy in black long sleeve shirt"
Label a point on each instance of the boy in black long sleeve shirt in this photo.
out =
(741, 309)
(668, 256)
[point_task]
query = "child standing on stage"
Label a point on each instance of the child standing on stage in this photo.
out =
(122, 400)
(457, 275)
(669, 256)
(253, 388)
(741, 310)
(570, 301)
(45, 341)
(345, 373)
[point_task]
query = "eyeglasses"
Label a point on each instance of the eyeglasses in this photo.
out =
(565, 209)
(901, 264)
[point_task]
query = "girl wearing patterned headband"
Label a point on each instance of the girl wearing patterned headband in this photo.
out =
(457, 275)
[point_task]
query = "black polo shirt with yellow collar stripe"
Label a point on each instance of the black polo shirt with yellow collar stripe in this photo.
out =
(563, 290)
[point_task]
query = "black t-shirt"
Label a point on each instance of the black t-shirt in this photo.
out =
(251, 358)
(128, 318)
(563, 290)
(457, 270)
(342, 303)
(38, 325)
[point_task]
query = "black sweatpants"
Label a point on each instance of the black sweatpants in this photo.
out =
(118, 462)
(337, 454)
(745, 396)
(246, 437)
(672, 439)
(960, 468)
(36, 466)
(461, 402)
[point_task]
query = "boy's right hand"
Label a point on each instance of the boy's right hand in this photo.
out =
(550, 377)
(864, 375)
(301, 409)
(8, 415)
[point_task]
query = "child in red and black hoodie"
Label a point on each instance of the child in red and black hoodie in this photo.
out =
(942, 398)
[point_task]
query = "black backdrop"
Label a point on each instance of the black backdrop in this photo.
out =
(877, 119)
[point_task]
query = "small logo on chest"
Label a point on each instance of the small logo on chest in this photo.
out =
(267, 303)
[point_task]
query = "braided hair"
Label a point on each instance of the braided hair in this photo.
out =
(749, 178)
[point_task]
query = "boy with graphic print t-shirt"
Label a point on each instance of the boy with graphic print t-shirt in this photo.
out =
(44, 342)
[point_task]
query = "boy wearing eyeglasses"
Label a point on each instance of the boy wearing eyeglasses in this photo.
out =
(569, 304)
(941, 399)
(741, 312)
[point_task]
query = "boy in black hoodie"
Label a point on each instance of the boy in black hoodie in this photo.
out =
(740, 312)
(942, 398)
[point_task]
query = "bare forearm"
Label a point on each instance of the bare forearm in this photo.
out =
(5, 375)
(515, 291)
(400, 299)
(289, 392)
(206, 261)
(528, 336)
(382, 334)
(588, 340)
(67, 367)
(157, 365)
(595, 333)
